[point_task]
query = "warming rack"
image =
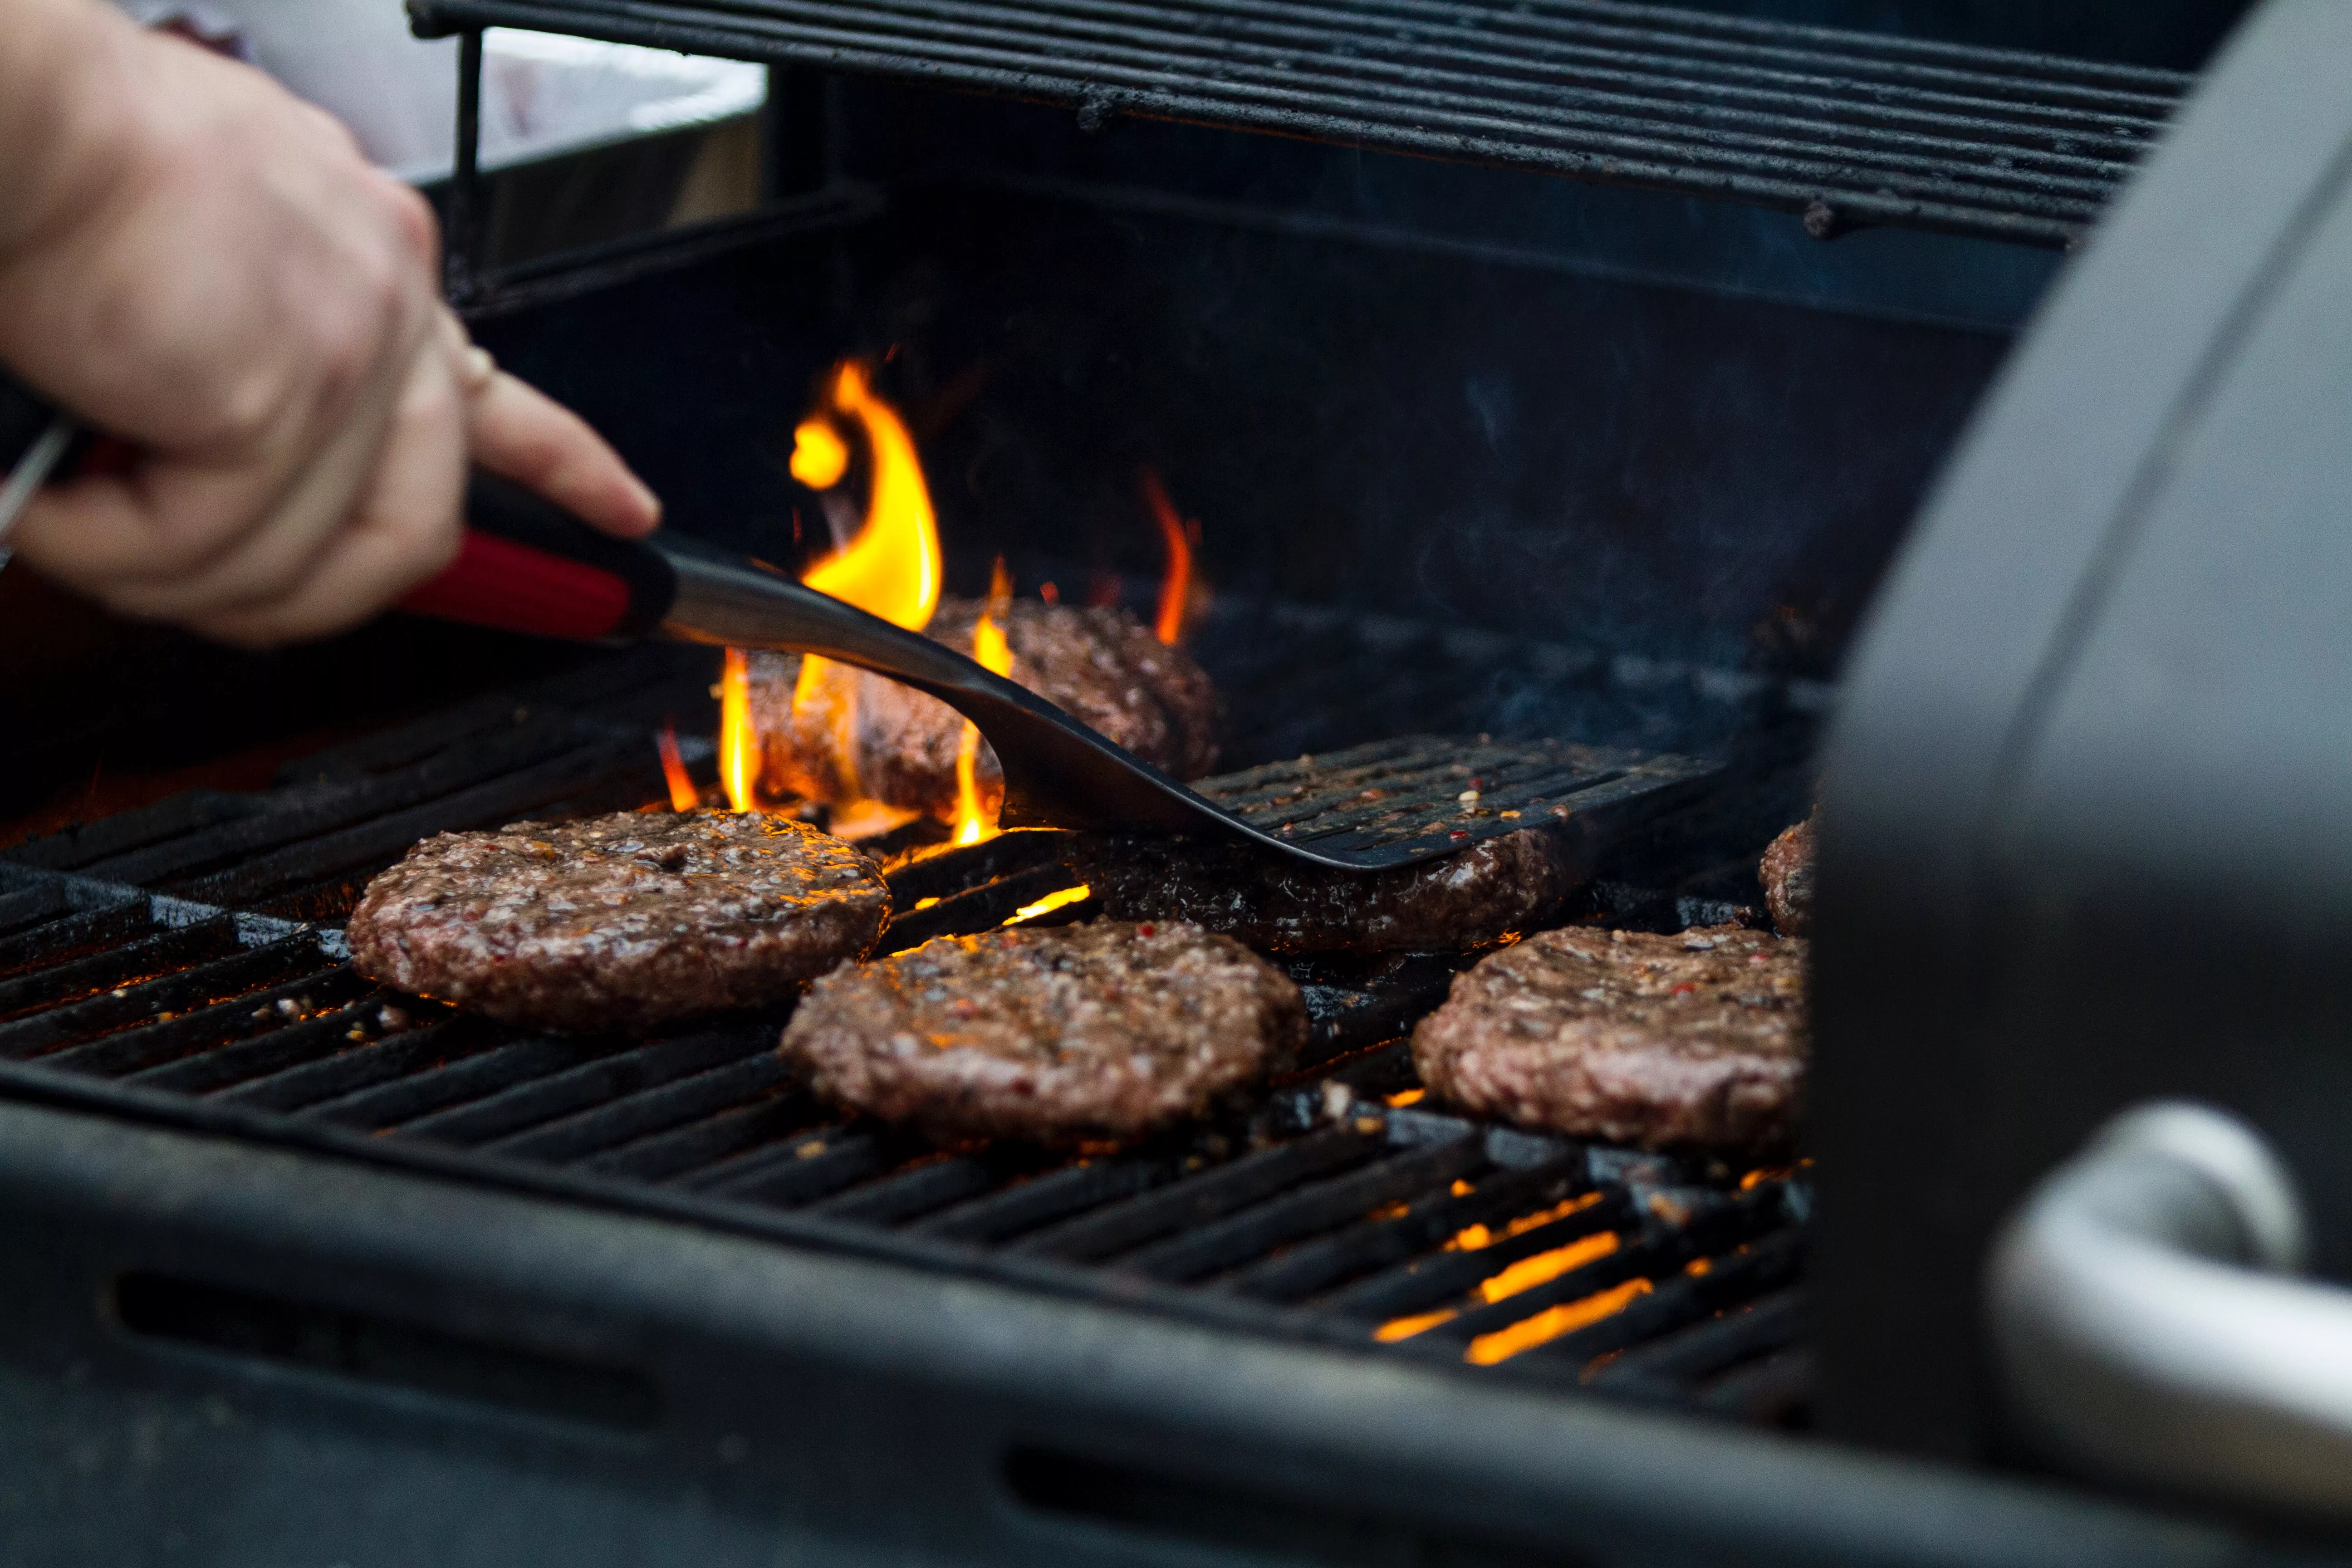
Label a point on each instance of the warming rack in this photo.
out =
(1847, 128)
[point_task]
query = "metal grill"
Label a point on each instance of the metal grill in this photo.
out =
(1335, 1207)
(1848, 128)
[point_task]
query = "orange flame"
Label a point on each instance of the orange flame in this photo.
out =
(683, 795)
(738, 744)
(890, 568)
(976, 818)
(1176, 587)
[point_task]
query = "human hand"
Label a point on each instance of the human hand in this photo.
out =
(206, 267)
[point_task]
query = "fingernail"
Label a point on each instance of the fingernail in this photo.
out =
(648, 502)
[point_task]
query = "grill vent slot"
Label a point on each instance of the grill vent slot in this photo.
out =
(1269, 1529)
(364, 1347)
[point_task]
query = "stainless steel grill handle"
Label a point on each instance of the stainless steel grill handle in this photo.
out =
(2144, 1325)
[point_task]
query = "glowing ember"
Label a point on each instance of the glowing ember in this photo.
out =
(1176, 587)
(1548, 1325)
(683, 795)
(1470, 1239)
(1546, 1266)
(739, 746)
(976, 818)
(1058, 899)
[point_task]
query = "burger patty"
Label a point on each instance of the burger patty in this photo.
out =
(620, 922)
(1102, 666)
(1787, 873)
(1056, 1035)
(1688, 1042)
(1496, 886)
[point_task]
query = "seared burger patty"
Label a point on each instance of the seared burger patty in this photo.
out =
(1787, 873)
(619, 922)
(1102, 666)
(1495, 886)
(1098, 1030)
(1688, 1042)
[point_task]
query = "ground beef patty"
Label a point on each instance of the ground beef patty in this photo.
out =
(1102, 666)
(619, 922)
(1496, 886)
(1687, 1042)
(1787, 873)
(1098, 1030)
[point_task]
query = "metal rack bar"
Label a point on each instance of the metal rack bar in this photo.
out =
(1847, 127)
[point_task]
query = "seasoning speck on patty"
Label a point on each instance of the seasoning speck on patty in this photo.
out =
(1694, 1041)
(622, 922)
(1107, 1030)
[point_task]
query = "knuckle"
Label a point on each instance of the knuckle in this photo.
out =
(412, 223)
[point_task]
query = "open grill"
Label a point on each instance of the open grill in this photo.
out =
(1334, 1207)
(1846, 127)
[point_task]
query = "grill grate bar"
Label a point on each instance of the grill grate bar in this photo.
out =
(292, 969)
(1446, 1276)
(1089, 1184)
(1324, 1263)
(1712, 1222)
(655, 1109)
(231, 1061)
(305, 813)
(1769, 1264)
(1706, 1348)
(927, 1188)
(1150, 1215)
(546, 1103)
(493, 802)
(149, 975)
(821, 1161)
(79, 934)
(443, 1074)
(2018, 146)
(296, 1088)
(733, 1128)
(1305, 1211)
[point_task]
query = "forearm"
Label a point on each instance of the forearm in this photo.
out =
(69, 114)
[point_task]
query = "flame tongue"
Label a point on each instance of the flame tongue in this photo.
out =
(892, 568)
(976, 817)
(1176, 587)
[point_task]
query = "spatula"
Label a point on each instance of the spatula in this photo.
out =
(527, 566)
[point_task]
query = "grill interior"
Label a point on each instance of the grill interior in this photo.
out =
(181, 962)
(1846, 127)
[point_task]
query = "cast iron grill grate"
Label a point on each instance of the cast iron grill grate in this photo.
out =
(1333, 1209)
(1848, 128)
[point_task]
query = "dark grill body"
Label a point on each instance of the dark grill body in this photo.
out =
(1484, 457)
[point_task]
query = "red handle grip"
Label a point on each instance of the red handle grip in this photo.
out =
(497, 582)
(528, 566)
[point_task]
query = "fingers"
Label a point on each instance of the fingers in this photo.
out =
(373, 515)
(403, 530)
(521, 434)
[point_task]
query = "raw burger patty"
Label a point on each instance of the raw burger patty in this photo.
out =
(619, 922)
(1787, 873)
(1496, 886)
(1102, 666)
(1106, 1029)
(1687, 1042)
